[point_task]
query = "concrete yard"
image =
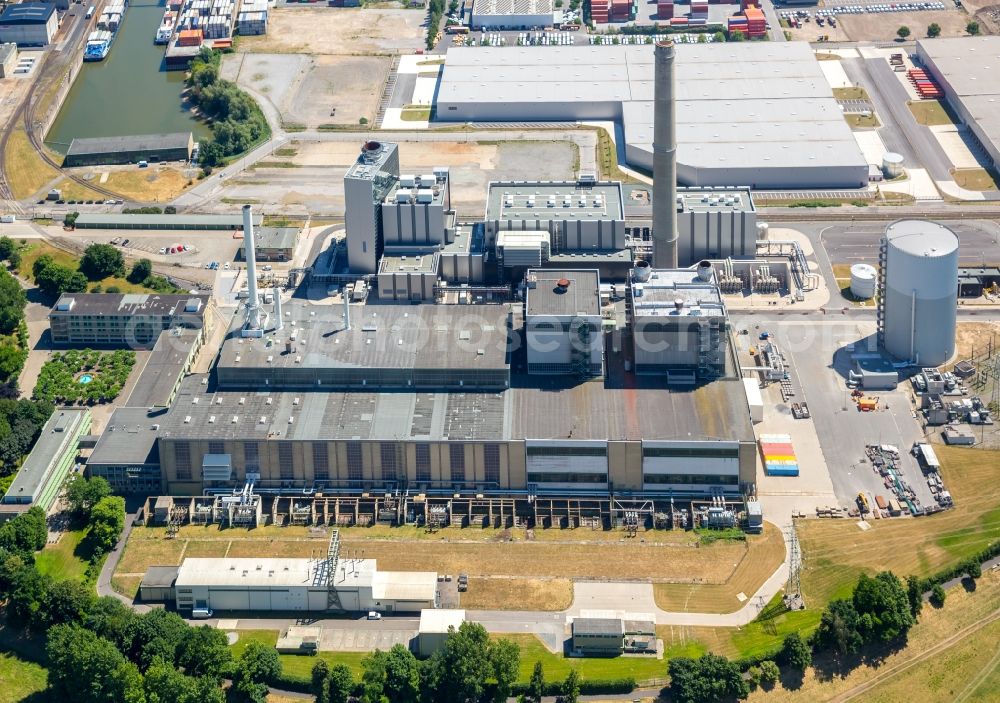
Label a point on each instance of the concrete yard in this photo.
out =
(308, 29)
(817, 355)
(309, 91)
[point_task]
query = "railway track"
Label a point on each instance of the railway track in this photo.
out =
(49, 70)
(860, 215)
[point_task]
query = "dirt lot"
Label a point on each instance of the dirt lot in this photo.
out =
(326, 30)
(524, 594)
(312, 178)
(155, 184)
(310, 91)
(882, 27)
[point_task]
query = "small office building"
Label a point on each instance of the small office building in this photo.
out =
(29, 24)
(42, 475)
(435, 628)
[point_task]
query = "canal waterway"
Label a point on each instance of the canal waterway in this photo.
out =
(129, 92)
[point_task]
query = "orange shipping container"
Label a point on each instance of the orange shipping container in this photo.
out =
(189, 37)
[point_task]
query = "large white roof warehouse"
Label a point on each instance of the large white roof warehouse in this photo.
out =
(754, 114)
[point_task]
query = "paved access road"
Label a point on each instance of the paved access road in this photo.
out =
(979, 241)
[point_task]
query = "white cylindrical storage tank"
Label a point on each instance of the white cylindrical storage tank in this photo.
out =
(892, 164)
(762, 230)
(863, 279)
(919, 295)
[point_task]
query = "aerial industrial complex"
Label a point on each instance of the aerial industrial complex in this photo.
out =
(621, 332)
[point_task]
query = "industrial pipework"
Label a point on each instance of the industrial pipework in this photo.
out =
(664, 159)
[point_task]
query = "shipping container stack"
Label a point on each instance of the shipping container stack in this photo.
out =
(756, 22)
(699, 9)
(664, 9)
(252, 18)
(600, 11)
(621, 10)
(738, 23)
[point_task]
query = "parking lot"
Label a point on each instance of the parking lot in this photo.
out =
(874, 21)
(203, 247)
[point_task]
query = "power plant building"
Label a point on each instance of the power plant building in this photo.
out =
(918, 283)
(757, 114)
(366, 185)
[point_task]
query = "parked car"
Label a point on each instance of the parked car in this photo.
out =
(227, 267)
(125, 243)
(163, 250)
(373, 615)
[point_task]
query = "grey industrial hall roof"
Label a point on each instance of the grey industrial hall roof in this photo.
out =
(275, 237)
(971, 68)
(52, 441)
(127, 304)
(137, 142)
(163, 366)
(759, 103)
(128, 439)
(598, 626)
(381, 336)
(27, 13)
(518, 193)
(582, 296)
(598, 410)
(512, 7)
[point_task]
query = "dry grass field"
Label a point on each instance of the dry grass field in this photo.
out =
(564, 559)
(764, 554)
(508, 568)
(26, 171)
(837, 551)
(524, 594)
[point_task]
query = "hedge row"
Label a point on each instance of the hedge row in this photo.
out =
(552, 688)
(589, 687)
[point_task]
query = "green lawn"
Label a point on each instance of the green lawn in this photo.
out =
(20, 680)
(532, 650)
(299, 665)
(557, 666)
(67, 559)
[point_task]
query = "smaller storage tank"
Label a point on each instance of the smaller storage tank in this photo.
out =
(863, 280)
(892, 164)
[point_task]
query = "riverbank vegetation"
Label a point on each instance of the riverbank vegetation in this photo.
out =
(237, 121)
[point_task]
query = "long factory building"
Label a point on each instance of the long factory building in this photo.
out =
(622, 411)
(756, 114)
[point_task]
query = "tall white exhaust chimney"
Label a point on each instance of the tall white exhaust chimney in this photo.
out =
(278, 323)
(253, 302)
(664, 158)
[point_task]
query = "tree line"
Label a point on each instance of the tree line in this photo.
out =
(237, 121)
(13, 329)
